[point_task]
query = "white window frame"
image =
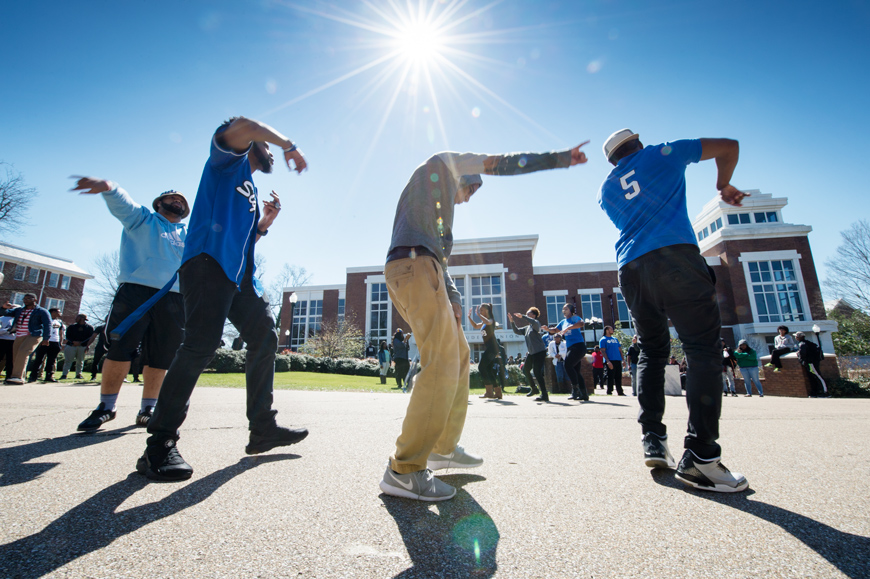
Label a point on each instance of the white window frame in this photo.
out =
(53, 279)
(20, 272)
(18, 298)
(554, 294)
(33, 275)
(470, 298)
(369, 281)
(618, 292)
(64, 282)
(54, 303)
(784, 255)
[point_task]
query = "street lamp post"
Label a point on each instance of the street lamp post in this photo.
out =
(816, 331)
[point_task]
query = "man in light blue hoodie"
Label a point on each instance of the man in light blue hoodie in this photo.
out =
(152, 244)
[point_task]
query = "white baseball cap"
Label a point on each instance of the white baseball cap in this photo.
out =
(614, 141)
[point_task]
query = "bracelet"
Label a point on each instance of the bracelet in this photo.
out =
(291, 148)
(262, 233)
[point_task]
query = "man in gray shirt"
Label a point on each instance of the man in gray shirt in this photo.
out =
(425, 296)
(537, 350)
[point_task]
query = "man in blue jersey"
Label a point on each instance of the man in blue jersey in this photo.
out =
(662, 275)
(152, 243)
(217, 283)
(612, 352)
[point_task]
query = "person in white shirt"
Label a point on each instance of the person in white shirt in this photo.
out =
(48, 351)
(558, 351)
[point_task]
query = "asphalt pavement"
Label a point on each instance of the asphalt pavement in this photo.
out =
(563, 492)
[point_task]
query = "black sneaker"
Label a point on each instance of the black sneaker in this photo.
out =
(656, 453)
(93, 422)
(164, 463)
(275, 436)
(709, 475)
(144, 416)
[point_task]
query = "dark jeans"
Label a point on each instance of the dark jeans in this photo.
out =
(6, 354)
(536, 362)
(402, 367)
(573, 361)
(674, 282)
(210, 298)
(487, 370)
(776, 354)
(48, 352)
(614, 377)
(598, 376)
(99, 352)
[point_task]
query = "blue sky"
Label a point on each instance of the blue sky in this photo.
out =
(132, 92)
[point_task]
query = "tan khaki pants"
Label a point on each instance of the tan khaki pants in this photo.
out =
(22, 348)
(439, 400)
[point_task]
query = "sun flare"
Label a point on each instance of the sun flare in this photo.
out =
(419, 43)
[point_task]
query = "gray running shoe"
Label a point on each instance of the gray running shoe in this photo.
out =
(709, 475)
(459, 458)
(656, 453)
(421, 485)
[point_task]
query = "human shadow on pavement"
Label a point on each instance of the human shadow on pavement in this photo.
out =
(13, 460)
(454, 538)
(847, 552)
(95, 523)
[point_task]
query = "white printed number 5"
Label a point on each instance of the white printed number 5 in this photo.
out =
(626, 185)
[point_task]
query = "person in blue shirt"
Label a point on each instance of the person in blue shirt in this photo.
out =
(612, 352)
(217, 283)
(152, 243)
(571, 329)
(663, 276)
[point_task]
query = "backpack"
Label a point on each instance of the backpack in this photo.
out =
(812, 353)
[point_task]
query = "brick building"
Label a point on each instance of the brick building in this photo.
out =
(764, 269)
(57, 282)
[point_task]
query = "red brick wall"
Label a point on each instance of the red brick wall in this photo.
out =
(72, 297)
(792, 380)
(606, 280)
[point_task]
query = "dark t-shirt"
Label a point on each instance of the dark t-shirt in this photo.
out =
(79, 333)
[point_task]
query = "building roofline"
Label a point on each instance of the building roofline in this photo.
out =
(496, 244)
(21, 255)
(767, 231)
(315, 288)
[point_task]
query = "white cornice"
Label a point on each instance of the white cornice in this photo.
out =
(43, 261)
(314, 288)
(753, 231)
(575, 268)
(495, 244)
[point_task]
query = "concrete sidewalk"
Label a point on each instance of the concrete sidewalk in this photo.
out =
(563, 493)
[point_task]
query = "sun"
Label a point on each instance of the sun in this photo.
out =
(419, 43)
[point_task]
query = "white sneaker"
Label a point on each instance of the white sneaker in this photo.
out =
(709, 475)
(456, 459)
(421, 485)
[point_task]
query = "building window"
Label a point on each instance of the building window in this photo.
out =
(624, 314)
(340, 310)
(590, 306)
(766, 217)
(33, 275)
(776, 291)
(53, 303)
(64, 282)
(20, 271)
(738, 218)
(53, 278)
(378, 328)
(554, 308)
(771, 217)
(1, 265)
(17, 299)
(297, 328)
(713, 227)
(315, 317)
(488, 289)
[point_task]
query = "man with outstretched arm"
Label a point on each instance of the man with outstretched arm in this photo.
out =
(663, 276)
(152, 243)
(217, 283)
(424, 295)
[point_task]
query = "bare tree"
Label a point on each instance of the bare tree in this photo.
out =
(100, 292)
(15, 199)
(288, 276)
(337, 340)
(849, 269)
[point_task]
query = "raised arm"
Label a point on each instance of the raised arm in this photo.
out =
(474, 324)
(243, 131)
(726, 152)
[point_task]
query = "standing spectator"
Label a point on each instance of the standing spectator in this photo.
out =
(7, 338)
(32, 325)
(400, 356)
(487, 361)
(78, 339)
(810, 355)
(663, 276)
(48, 351)
(597, 368)
(747, 360)
(100, 350)
(424, 294)
(218, 282)
(384, 360)
(537, 350)
(633, 356)
(558, 351)
(571, 328)
(729, 366)
(371, 350)
(612, 352)
(783, 344)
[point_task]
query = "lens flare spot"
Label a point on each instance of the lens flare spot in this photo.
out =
(475, 112)
(175, 137)
(512, 277)
(666, 150)
(436, 193)
(536, 53)
(271, 86)
(593, 66)
(531, 282)
(426, 110)
(476, 534)
(523, 161)
(437, 205)
(521, 62)
(216, 227)
(433, 177)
